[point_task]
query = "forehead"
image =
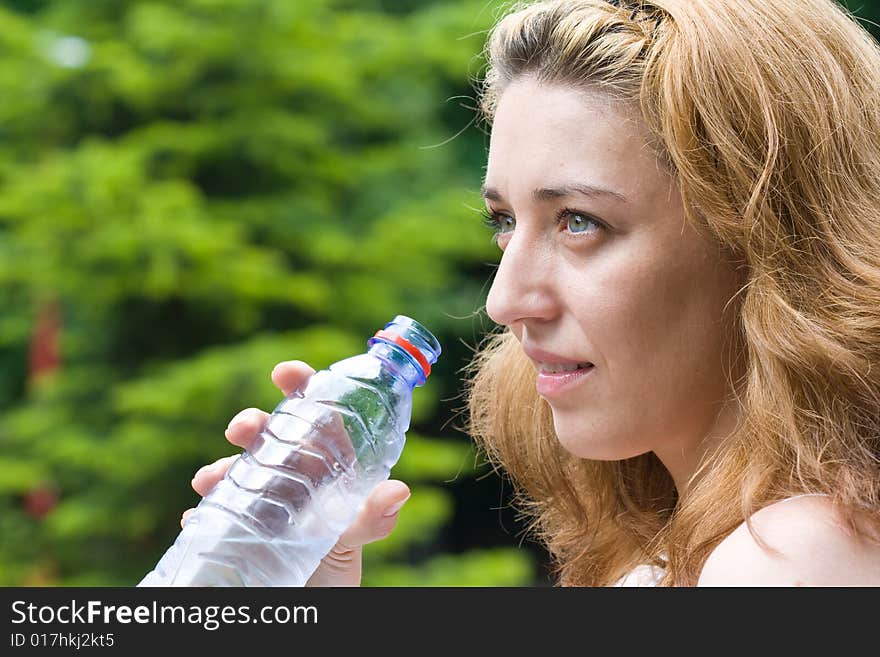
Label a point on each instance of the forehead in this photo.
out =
(544, 132)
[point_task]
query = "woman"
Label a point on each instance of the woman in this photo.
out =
(687, 387)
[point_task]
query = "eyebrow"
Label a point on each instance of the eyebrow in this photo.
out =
(550, 193)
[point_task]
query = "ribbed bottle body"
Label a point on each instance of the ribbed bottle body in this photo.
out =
(285, 501)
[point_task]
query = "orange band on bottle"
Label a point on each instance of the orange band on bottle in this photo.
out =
(411, 349)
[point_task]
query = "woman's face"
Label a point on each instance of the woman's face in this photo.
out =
(601, 272)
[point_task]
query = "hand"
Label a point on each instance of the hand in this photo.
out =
(342, 565)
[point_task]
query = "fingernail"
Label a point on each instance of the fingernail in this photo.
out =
(238, 418)
(394, 508)
(205, 469)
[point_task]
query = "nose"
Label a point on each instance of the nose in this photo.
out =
(523, 285)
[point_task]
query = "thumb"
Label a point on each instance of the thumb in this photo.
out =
(378, 516)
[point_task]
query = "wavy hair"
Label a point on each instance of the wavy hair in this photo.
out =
(768, 116)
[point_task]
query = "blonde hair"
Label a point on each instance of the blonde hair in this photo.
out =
(768, 115)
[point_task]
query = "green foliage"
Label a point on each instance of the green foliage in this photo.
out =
(206, 188)
(495, 567)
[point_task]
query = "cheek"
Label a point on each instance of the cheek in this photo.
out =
(657, 327)
(663, 307)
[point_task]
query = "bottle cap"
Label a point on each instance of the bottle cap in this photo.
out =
(417, 342)
(410, 348)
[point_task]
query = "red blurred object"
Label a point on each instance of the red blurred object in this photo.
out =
(45, 352)
(40, 501)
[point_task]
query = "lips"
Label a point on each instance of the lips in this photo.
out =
(551, 363)
(556, 373)
(556, 386)
(558, 368)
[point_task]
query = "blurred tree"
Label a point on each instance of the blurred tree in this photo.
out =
(191, 191)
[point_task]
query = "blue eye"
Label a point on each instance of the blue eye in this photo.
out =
(498, 222)
(576, 222)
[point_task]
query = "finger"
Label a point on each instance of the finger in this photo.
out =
(291, 375)
(245, 426)
(186, 515)
(378, 515)
(207, 476)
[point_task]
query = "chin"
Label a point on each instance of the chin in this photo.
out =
(596, 444)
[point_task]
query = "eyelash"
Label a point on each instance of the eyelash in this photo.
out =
(493, 220)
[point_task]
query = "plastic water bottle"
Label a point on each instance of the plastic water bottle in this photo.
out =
(283, 503)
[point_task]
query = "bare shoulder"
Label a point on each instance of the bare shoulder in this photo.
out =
(804, 544)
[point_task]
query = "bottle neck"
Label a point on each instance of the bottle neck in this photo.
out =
(399, 363)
